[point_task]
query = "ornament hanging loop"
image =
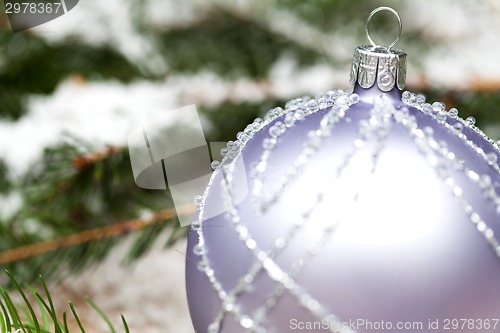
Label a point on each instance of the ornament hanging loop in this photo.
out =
(400, 26)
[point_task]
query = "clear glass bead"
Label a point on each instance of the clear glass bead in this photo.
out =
(491, 158)
(289, 120)
(441, 116)
(437, 106)
(246, 322)
(428, 131)
(312, 105)
(413, 99)
(406, 96)
(427, 108)
(332, 94)
(458, 127)
(268, 144)
(354, 98)
(241, 136)
(471, 120)
(342, 100)
(198, 200)
(213, 328)
(215, 165)
(420, 99)
(198, 250)
(274, 131)
(453, 112)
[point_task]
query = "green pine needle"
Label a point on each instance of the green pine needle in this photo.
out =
(103, 316)
(43, 310)
(29, 307)
(76, 317)
(65, 321)
(125, 325)
(22, 318)
(4, 319)
(57, 328)
(12, 312)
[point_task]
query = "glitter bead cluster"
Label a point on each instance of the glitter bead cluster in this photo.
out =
(382, 118)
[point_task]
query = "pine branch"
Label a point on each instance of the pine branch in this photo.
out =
(76, 202)
(118, 229)
(485, 85)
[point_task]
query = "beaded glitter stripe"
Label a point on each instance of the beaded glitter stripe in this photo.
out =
(429, 147)
(296, 105)
(364, 132)
(274, 114)
(437, 111)
(314, 249)
(229, 153)
(274, 272)
(483, 182)
(297, 113)
(305, 299)
(282, 241)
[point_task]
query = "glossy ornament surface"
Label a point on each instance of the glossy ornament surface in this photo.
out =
(347, 212)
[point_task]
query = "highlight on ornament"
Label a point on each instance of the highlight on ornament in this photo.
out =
(372, 205)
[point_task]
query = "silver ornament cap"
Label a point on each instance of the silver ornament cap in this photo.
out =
(377, 64)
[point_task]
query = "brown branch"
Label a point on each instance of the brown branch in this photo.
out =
(120, 228)
(485, 85)
(473, 85)
(81, 161)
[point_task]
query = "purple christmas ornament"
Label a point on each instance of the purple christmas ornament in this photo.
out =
(363, 212)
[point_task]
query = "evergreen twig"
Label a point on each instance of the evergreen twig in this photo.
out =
(86, 236)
